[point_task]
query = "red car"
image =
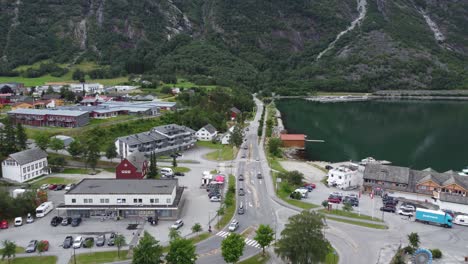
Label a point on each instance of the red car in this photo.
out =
(46, 247)
(52, 186)
(310, 184)
(334, 199)
(4, 224)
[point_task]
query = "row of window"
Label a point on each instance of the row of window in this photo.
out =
(444, 190)
(30, 175)
(9, 162)
(122, 200)
(38, 165)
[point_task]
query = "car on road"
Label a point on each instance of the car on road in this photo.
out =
(241, 192)
(89, 241)
(78, 242)
(328, 167)
(387, 208)
(101, 240)
(406, 212)
(178, 173)
(215, 199)
(408, 207)
(60, 187)
(4, 224)
(246, 147)
(56, 220)
(29, 219)
(76, 221)
(247, 129)
(334, 199)
(69, 187)
(240, 210)
(178, 224)
(259, 175)
(243, 156)
(18, 221)
(66, 221)
(233, 225)
(111, 240)
(257, 159)
(213, 193)
(46, 244)
(44, 186)
(351, 200)
(68, 242)
(310, 185)
(241, 177)
(52, 187)
(31, 246)
(390, 202)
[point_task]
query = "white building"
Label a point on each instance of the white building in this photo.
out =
(120, 88)
(88, 87)
(225, 138)
(123, 197)
(25, 165)
(345, 176)
(206, 133)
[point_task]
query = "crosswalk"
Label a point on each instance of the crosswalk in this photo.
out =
(249, 242)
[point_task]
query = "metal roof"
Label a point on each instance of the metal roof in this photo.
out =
(123, 186)
(48, 112)
(292, 137)
(28, 156)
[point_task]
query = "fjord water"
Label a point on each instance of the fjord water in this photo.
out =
(416, 134)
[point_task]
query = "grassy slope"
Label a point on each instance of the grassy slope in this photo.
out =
(32, 260)
(100, 257)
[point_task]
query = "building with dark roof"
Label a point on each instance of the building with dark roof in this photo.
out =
(124, 198)
(25, 165)
(161, 140)
(48, 117)
(448, 186)
(134, 166)
(207, 133)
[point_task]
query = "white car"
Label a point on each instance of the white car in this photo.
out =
(405, 212)
(337, 194)
(407, 207)
(178, 224)
(18, 221)
(233, 225)
(69, 186)
(44, 186)
(78, 242)
(215, 199)
(29, 219)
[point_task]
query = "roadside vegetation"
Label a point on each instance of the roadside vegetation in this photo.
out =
(359, 223)
(349, 214)
(100, 257)
(30, 260)
(227, 209)
(223, 153)
(257, 259)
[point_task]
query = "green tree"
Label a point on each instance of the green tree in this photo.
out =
(196, 228)
(232, 247)
(9, 137)
(153, 169)
(56, 144)
(302, 240)
(293, 177)
(9, 250)
(413, 239)
(236, 137)
(274, 145)
(111, 151)
(57, 163)
(347, 207)
(90, 244)
(181, 251)
(264, 236)
(119, 242)
(92, 153)
(173, 234)
(174, 160)
(325, 204)
(42, 140)
(41, 247)
(75, 149)
(21, 137)
(148, 251)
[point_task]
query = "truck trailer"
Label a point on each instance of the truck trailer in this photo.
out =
(433, 217)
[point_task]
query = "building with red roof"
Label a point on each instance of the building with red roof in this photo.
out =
(293, 140)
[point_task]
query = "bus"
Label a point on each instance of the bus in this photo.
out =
(44, 209)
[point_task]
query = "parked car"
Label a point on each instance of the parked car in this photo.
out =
(213, 194)
(178, 224)
(241, 177)
(215, 199)
(66, 221)
(4, 224)
(390, 202)
(243, 155)
(78, 242)
(29, 218)
(387, 208)
(87, 240)
(56, 220)
(334, 199)
(310, 185)
(337, 194)
(31, 246)
(406, 212)
(18, 221)
(328, 167)
(76, 221)
(44, 186)
(408, 207)
(68, 242)
(69, 187)
(241, 192)
(46, 244)
(246, 147)
(60, 187)
(178, 173)
(52, 187)
(233, 225)
(259, 175)
(351, 200)
(111, 240)
(101, 240)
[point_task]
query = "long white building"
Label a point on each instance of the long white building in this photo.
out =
(25, 165)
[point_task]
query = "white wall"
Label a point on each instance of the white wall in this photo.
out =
(113, 199)
(349, 178)
(17, 173)
(204, 135)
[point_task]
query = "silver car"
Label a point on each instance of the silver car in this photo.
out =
(31, 246)
(233, 225)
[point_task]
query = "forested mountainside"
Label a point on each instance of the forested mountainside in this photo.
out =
(287, 46)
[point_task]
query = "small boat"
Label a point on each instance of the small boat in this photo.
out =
(465, 170)
(368, 160)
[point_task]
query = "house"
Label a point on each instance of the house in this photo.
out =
(65, 139)
(125, 198)
(47, 117)
(293, 140)
(345, 176)
(175, 90)
(206, 133)
(235, 113)
(22, 105)
(2, 126)
(95, 100)
(161, 140)
(51, 96)
(25, 165)
(120, 88)
(447, 187)
(134, 166)
(21, 99)
(5, 98)
(225, 138)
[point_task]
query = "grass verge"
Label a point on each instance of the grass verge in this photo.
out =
(78, 171)
(332, 257)
(53, 180)
(349, 214)
(17, 251)
(180, 169)
(359, 223)
(257, 259)
(207, 144)
(30, 260)
(100, 257)
(229, 203)
(225, 152)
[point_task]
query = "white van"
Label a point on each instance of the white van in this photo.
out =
(18, 221)
(167, 172)
(461, 220)
(44, 209)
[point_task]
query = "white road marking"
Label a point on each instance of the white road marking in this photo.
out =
(222, 233)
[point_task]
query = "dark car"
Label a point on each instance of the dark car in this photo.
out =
(66, 221)
(111, 240)
(387, 208)
(177, 173)
(351, 200)
(56, 220)
(76, 221)
(153, 220)
(68, 242)
(60, 187)
(241, 192)
(328, 167)
(89, 241)
(241, 177)
(390, 202)
(334, 199)
(101, 240)
(214, 193)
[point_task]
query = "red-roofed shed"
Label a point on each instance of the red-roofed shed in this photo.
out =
(293, 140)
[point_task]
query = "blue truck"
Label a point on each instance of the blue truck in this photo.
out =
(433, 217)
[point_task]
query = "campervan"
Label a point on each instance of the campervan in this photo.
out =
(44, 209)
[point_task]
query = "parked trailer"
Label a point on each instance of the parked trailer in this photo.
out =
(461, 220)
(433, 217)
(44, 209)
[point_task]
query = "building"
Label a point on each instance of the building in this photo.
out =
(89, 88)
(15, 87)
(22, 105)
(95, 100)
(293, 140)
(160, 140)
(134, 166)
(447, 187)
(46, 117)
(2, 126)
(124, 198)
(120, 88)
(206, 133)
(5, 98)
(345, 176)
(25, 165)
(235, 113)
(225, 138)
(175, 90)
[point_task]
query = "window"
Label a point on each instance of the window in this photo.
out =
(119, 200)
(156, 200)
(135, 200)
(104, 200)
(36, 166)
(73, 200)
(29, 168)
(124, 200)
(24, 170)
(151, 200)
(168, 200)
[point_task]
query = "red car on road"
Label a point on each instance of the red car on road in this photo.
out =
(334, 199)
(4, 224)
(52, 186)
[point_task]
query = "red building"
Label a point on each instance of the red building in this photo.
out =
(5, 98)
(47, 117)
(235, 113)
(293, 140)
(134, 166)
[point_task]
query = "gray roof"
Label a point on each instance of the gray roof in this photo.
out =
(172, 129)
(29, 155)
(137, 159)
(235, 110)
(210, 128)
(386, 173)
(48, 112)
(123, 186)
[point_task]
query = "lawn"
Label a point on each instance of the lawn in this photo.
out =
(112, 119)
(332, 258)
(225, 152)
(54, 180)
(207, 144)
(78, 171)
(18, 250)
(359, 223)
(350, 214)
(99, 257)
(257, 259)
(31, 260)
(181, 169)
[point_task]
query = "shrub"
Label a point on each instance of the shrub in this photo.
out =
(296, 195)
(325, 204)
(408, 250)
(436, 253)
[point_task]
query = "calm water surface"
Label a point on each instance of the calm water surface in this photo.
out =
(417, 134)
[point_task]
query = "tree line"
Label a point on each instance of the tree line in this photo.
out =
(12, 139)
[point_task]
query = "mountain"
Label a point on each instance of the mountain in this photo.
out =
(287, 46)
